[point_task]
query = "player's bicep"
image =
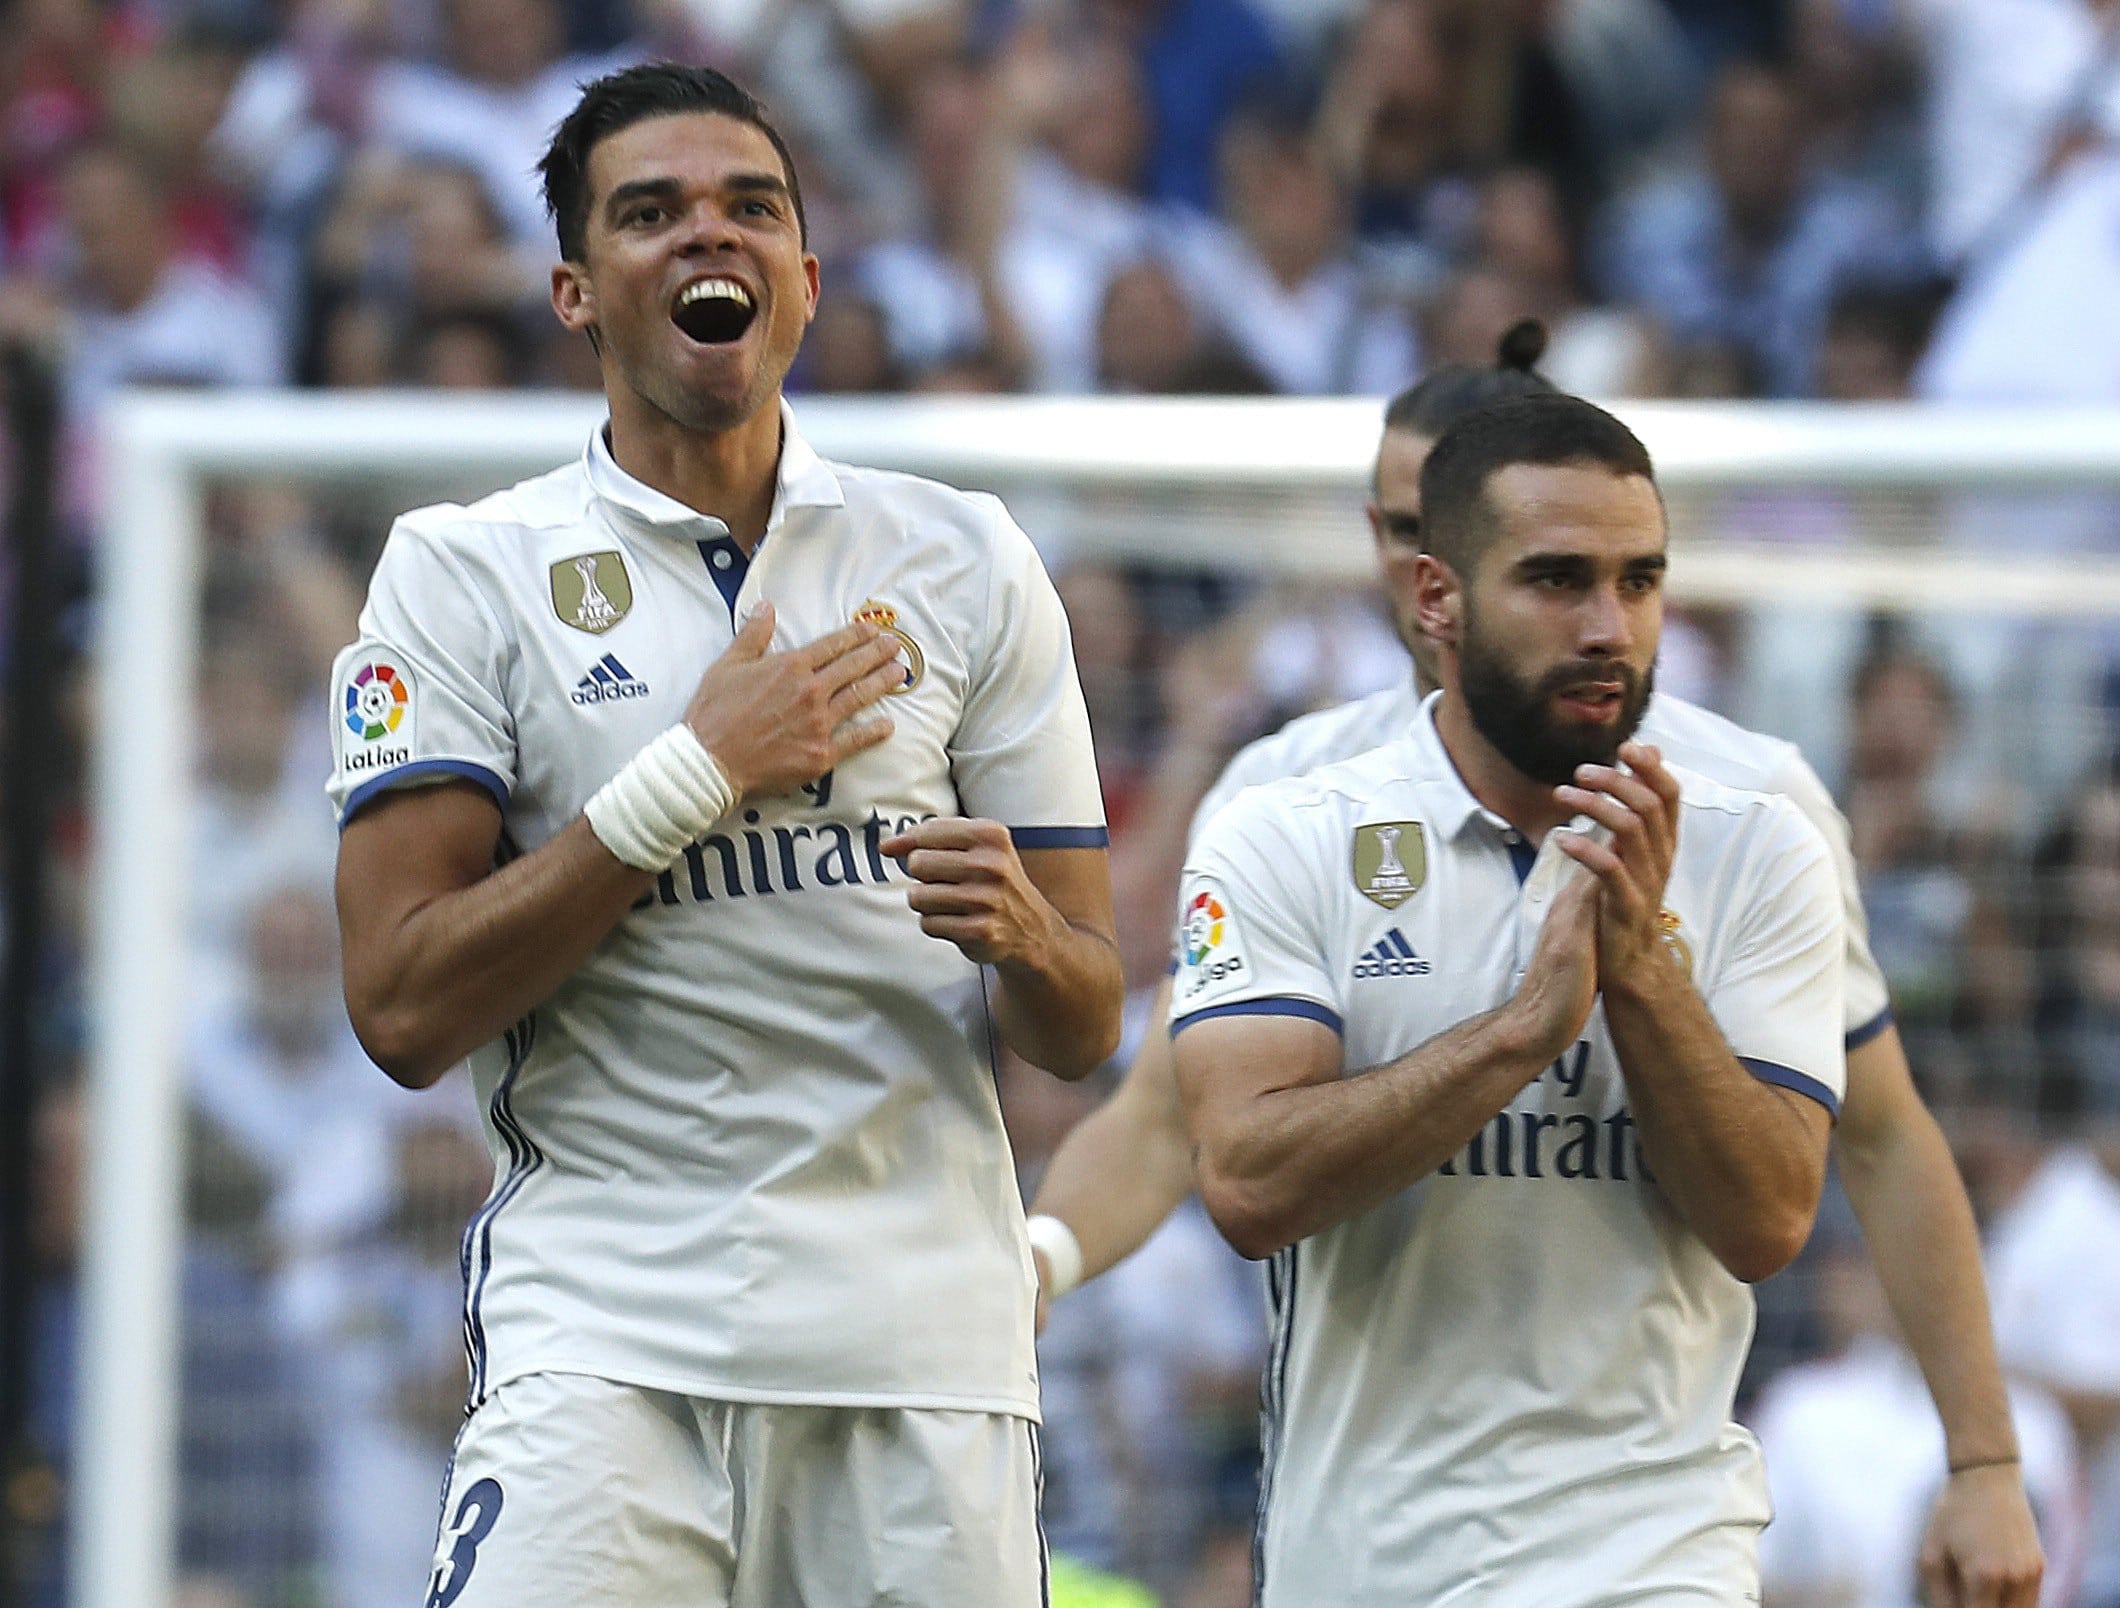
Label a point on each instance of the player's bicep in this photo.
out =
(407, 848)
(1076, 882)
(1228, 1065)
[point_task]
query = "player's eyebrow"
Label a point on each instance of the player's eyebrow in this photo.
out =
(624, 195)
(669, 190)
(757, 184)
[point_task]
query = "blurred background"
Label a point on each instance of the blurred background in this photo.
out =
(1839, 201)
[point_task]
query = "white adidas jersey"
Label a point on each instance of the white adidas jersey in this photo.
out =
(1686, 734)
(1512, 1382)
(752, 1150)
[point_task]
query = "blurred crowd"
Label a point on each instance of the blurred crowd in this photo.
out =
(1855, 200)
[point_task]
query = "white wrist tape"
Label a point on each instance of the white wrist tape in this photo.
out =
(667, 796)
(1063, 1253)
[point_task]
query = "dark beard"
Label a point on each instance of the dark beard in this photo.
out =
(1516, 717)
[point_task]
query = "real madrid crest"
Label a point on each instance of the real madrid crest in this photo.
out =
(1390, 861)
(883, 616)
(591, 591)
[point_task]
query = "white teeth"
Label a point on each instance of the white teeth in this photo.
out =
(714, 290)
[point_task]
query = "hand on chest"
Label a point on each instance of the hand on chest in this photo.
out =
(617, 640)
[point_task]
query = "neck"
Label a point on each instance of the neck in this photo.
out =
(1526, 804)
(730, 474)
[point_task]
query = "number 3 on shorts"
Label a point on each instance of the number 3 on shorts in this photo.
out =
(475, 1517)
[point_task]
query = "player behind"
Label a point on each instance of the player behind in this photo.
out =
(1518, 1051)
(1127, 1166)
(686, 790)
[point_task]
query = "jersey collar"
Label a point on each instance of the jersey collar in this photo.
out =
(805, 481)
(1450, 804)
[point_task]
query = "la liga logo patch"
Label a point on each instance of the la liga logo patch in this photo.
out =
(377, 700)
(1210, 949)
(1203, 926)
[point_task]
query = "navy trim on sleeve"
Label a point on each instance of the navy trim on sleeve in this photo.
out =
(1783, 1077)
(361, 796)
(1278, 1005)
(1060, 837)
(1870, 1029)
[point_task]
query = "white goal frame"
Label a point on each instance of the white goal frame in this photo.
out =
(160, 451)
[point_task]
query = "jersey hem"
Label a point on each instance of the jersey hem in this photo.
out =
(1060, 837)
(1277, 1006)
(366, 793)
(1859, 1036)
(707, 1390)
(1784, 1077)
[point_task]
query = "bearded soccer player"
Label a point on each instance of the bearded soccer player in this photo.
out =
(1127, 1166)
(686, 792)
(1517, 1051)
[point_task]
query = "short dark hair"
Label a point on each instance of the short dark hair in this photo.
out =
(1445, 395)
(1552, 430)
(633, 95)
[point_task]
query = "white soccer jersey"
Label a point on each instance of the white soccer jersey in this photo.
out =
(1512, 1382)
(752, 1149)
(1689, 736)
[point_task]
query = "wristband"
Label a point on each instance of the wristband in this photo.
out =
(1063, 1253)
(665, 797)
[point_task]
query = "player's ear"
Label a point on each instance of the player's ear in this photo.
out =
(574, 297)
(1438, 600)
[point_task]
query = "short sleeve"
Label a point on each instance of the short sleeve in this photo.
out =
(418, 698)
(1777, 995)
(1022, 753)
(1250, 938)
(1866, 1001)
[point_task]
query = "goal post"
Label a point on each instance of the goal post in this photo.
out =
(1261, 486)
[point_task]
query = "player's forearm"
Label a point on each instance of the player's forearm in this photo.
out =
(1125, 1167)
(1734, 1157)
(456, 970)
(1297, 1160)
(1060, 1010)
(1923, 1241)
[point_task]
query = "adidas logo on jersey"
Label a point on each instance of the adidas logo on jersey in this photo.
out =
(607, 682)
(1390, 956)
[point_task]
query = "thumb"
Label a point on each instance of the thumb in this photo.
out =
(755, 635)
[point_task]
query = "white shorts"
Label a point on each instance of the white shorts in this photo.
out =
(569, 1490)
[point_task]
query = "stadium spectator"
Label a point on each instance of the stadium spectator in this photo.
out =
(2079, 947)
(246, 1520)
(417, 244)
(1855, 1455)
(1522, 231)
(1150, 343)
(1028, 171)
(2057, 1318)
(1740, 250)
(1203, 61)
(848, 351)
(379, 1334)
(277, 1072)
(1280, 281)
(1390, 127)
(2011, 88)
(1933, 927)
(124, 302)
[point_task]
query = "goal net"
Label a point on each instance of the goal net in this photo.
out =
(269, 1376)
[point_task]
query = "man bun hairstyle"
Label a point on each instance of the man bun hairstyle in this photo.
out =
(633, 95)
(1548, 431)
(1445, 395)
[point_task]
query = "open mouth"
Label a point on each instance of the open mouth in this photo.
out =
(714, 312)
(1596, 701)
